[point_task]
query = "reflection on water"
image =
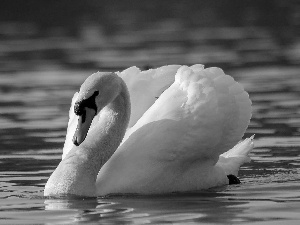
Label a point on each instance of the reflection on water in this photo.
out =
(251, 203)
(159, 209)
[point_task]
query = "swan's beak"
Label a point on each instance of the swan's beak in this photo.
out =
(84, 123)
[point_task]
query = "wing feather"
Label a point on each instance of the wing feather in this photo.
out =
(145, 87)
(201, 115)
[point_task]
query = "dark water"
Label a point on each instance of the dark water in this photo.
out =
(40, 75)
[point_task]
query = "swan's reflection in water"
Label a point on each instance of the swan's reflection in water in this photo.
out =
(187, 208)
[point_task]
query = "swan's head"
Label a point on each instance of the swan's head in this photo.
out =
(96, 92)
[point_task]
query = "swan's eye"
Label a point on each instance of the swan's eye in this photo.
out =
(89, 103)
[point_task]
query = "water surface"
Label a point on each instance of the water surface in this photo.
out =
(34, 112)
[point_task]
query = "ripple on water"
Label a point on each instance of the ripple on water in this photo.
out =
(34, 110)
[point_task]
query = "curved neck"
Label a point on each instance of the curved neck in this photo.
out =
(107, 131)
(77, 172)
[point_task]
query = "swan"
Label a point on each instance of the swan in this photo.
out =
(171, 129)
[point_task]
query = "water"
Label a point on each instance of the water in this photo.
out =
(39, 75)
(34, 111)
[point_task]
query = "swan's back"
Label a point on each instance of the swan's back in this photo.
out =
(176, 143)
(210, 108)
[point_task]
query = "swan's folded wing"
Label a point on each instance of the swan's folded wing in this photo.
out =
(146, 86)
(201, 115)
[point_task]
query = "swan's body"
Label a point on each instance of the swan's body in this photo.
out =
(178, 142)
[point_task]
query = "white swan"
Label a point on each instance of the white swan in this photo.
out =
(183, 121)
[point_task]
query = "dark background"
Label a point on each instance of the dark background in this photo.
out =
(104, 33)
(71, 14)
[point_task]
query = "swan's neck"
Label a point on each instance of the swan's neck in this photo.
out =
(106, 132)
(77, 172)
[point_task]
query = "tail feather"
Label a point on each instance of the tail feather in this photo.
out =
(231, 160)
